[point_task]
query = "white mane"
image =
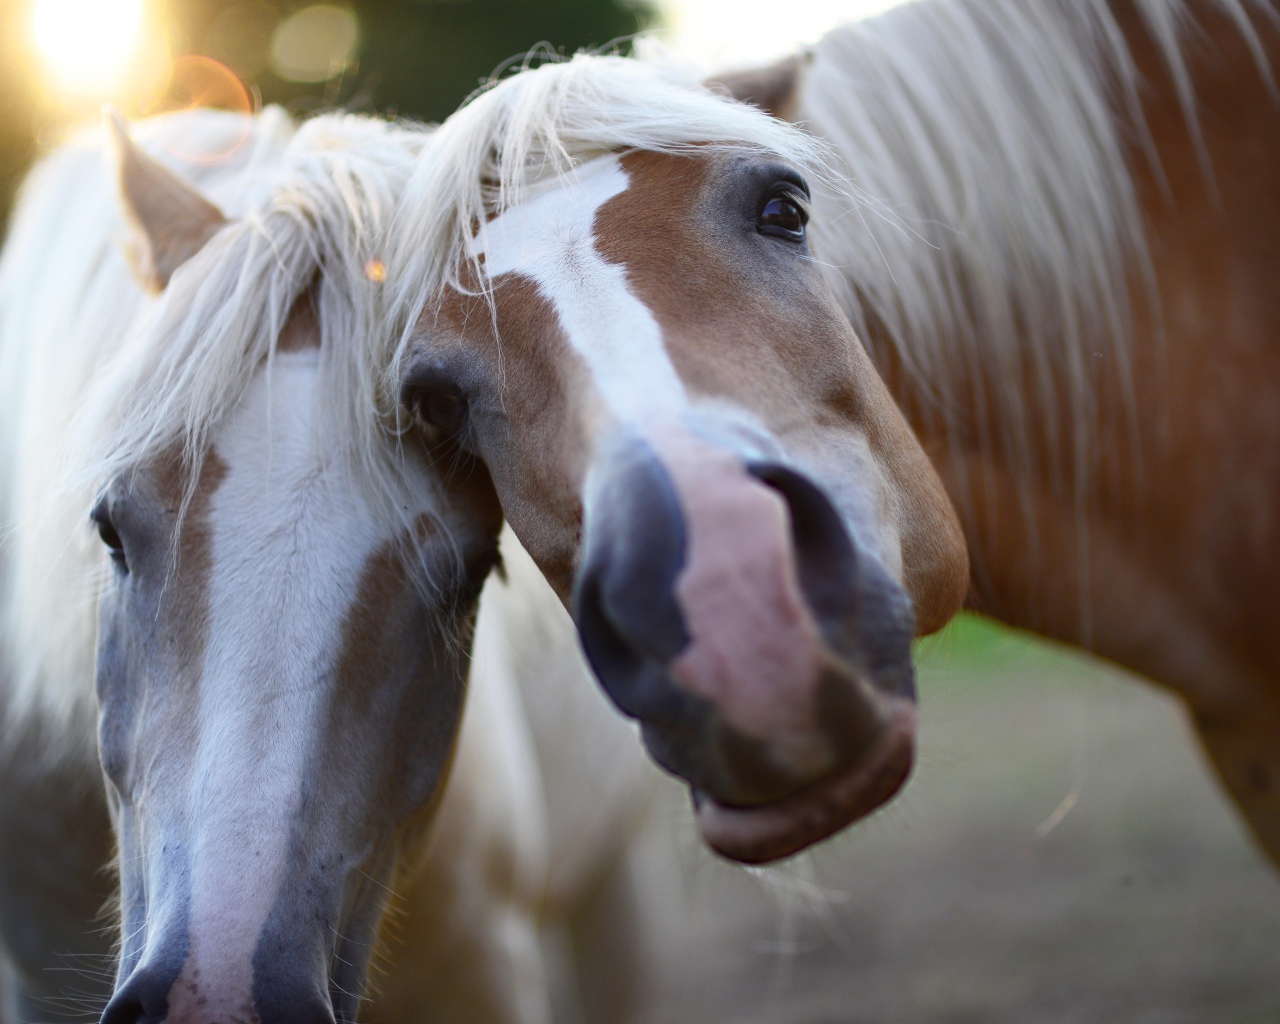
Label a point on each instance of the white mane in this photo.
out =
(97, 378)
(999, 232)
(547, 121)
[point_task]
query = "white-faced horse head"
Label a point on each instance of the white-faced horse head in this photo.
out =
(610, 298)
(287, 583)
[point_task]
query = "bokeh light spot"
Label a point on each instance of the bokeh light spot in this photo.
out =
(315, 44)
(202, 82)
(198, 81)
(375, 271)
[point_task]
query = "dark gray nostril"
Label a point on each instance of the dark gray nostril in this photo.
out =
(144, 999)
(125, 1011)
(636, 548)
(864, 614)
(624, 601)
(826, 561)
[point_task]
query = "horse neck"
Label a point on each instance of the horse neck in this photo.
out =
(1035, 369)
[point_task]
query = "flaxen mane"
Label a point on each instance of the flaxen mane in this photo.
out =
(997, 233)
(546, 121)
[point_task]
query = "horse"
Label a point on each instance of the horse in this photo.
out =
(1078, 319)
(757, 624)
(750, 395)
(264, 650)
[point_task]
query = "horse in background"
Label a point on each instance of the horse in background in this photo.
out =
(1061, 259)
(277, 607)
(1046, 220)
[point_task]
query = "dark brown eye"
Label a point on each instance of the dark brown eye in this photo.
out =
(444, 410)
(107, 531)
(783, 217)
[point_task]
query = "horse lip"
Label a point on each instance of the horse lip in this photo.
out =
(770, 832)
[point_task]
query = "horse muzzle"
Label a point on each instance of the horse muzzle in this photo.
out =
(207, 943)
(148, 998)
(724, 604)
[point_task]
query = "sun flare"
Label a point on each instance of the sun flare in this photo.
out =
(88, 47)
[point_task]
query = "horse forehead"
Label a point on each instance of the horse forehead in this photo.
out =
(554, 217)
(550, 239)
(292, 503)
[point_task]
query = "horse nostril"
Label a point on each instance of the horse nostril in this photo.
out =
(128, 1007)
(126, 1011)
(826, 561)
(624, 600)
(144, 998)
(622, 652)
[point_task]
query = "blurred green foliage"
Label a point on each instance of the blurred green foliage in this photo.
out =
(417, 58)
(976, 644)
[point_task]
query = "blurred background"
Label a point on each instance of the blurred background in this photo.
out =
(1062, 853)
(61, 60)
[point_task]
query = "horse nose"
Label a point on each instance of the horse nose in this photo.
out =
(145, 999)
(826, 561)
(719, 604)
(624, 599)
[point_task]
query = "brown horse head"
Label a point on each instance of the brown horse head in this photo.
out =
(689, 439)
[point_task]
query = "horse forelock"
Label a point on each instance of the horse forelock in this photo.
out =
(544, 123)
(316, 234)
(102, 381)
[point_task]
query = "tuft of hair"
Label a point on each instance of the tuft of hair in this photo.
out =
(992, 234)
(100, 378)
(546, 121)
(324, 212)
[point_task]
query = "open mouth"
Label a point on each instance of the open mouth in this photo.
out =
(769, 832)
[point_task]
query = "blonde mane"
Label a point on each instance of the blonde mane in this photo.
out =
(998, 233)
(546, 121)
(97, 378)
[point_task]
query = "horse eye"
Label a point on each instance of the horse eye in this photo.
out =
(441, 413)
(783, 217)
(430, 392)
(107, 531)
(444, 410)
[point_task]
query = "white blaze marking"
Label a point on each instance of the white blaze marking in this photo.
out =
(290, 535)
(549, 238)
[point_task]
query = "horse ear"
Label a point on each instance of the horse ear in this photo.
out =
(168, 220)
(773, 88)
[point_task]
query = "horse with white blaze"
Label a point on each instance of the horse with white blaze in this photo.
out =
(1052, 224)
(278, 601)
(608, 297)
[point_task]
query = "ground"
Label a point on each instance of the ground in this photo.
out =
(1062, 855)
